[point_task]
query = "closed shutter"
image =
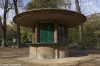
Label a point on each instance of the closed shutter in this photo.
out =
(61, 33)
(46, 32)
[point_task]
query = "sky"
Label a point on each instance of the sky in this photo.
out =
(11, 12)
(87, 7)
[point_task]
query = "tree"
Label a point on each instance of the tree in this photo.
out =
(73, 34)
(68, 4)
(46, 4)
(26, 34)
(18, 27)
(11, 30)
(4, 24)
(80, 27)
(92, 30)
(5, 5)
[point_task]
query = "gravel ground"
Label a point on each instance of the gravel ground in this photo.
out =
(19, 57)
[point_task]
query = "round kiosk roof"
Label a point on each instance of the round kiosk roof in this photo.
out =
(29, 18)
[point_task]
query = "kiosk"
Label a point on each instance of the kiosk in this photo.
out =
(49, 31)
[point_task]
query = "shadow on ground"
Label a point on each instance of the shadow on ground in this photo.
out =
(79, 53)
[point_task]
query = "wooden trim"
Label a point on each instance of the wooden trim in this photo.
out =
(55, 33)
(56, 40)
(36, 33)
(33, 34)
(66, 33)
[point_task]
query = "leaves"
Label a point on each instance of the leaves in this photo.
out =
(73, 34)
(26, 33)
(36, 4)
(92, 28)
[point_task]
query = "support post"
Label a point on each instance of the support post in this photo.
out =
(67, 39)
(33, 34)
(55, 41)
(55, 32)
(36, 37)
(36, 33)
(66, 33)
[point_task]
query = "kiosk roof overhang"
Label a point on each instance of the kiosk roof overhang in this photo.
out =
(29, 18)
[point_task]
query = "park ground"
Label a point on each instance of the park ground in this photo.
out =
(19, 57)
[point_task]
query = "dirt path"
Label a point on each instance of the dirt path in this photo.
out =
(19, 57)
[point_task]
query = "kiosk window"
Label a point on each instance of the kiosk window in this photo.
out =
(46, 32)
(61, 33)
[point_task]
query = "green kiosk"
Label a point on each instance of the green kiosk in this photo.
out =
(49, 31)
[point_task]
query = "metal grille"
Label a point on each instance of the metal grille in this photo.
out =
(61, 33)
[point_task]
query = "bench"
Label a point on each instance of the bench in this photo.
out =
(73, 45)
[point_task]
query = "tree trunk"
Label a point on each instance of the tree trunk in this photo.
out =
(18, 27)
(82, 44)
(4, 24)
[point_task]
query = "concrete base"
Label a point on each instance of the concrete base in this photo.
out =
(48, 51)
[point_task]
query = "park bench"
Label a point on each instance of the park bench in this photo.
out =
(73, 45)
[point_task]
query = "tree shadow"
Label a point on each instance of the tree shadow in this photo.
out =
(80, 53)
(13, 56)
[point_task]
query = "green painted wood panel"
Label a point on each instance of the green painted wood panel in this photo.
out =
(46, 33)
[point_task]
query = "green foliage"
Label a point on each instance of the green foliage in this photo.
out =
(26, 34)
(92, 29)
(11, 30)
(73, 34)
(36, 4)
